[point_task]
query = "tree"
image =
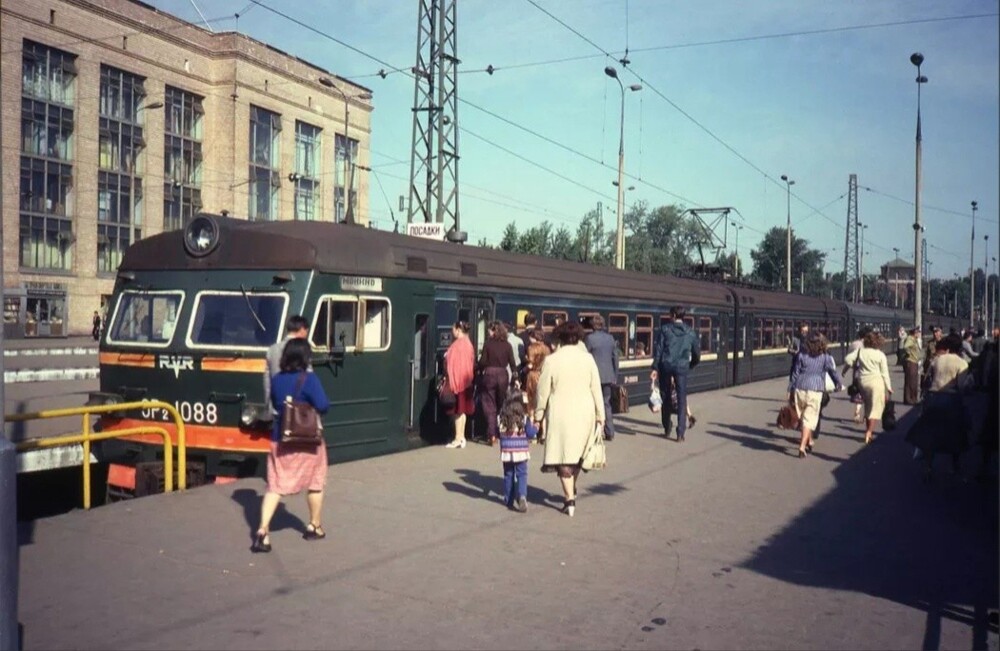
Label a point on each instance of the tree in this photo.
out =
(769, 260)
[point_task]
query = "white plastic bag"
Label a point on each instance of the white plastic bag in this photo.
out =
(655, 399)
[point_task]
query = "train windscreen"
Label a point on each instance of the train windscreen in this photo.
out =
(241, 320)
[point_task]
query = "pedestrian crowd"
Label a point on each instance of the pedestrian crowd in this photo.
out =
(949, 379)
(559, 389)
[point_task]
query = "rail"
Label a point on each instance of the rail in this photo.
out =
(86, 436)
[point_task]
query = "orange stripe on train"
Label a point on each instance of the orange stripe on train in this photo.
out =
(128, 359)
(233, 365)
(197, 436)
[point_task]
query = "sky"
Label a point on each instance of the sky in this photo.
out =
(734, 95)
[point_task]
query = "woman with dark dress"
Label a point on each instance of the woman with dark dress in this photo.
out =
(295, 468)
(494, 362)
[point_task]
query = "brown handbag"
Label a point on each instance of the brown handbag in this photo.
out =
(300, 423)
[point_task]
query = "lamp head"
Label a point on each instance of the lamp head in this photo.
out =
(611, 72)
(635, 87)
(784, 177)
(916, 59)
(975, 204)
(325, 81)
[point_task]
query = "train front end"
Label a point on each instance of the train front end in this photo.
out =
(192, 331)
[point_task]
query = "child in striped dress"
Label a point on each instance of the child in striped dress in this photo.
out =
(515, 440)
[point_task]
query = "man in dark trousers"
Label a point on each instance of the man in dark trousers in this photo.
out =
(604, 349)
(675, 352)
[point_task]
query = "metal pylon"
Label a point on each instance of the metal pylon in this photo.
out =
(434, 153)
(852, 260)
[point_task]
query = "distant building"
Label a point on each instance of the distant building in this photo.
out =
(124, 121)
(899, 276)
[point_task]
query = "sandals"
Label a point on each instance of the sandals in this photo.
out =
(261, 543)
(314, 532)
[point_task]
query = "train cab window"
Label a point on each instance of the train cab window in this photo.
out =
(237, 319)
(705, 333)
(643, 335)
(147, 318)
(618, 328)
(351, 324)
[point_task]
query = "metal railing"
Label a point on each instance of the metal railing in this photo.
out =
(86, 436)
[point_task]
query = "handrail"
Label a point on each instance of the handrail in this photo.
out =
(87, 436)
(89, 410)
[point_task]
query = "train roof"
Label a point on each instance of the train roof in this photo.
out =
(356, 250)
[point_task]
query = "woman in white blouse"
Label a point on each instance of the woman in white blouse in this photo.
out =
(872, 371)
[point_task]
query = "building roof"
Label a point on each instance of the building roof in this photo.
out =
(898, 263)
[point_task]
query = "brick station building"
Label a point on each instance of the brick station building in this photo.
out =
(120, 121)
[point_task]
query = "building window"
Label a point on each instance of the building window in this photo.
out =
(182, 158)
(121, 95)
(46, 129)
(46, 185)
(345, 159)
(264, 177)
(307, 170)
(119, 186)
(47, 73)
(119, 213)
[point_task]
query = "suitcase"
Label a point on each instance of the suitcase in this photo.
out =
(619, 399)
(787, 418)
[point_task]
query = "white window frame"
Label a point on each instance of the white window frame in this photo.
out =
(218, 292)
(144, 344)
(353, 298)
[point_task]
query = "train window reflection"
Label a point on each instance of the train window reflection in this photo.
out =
(237, 319)
(643, 335)
(148, 318)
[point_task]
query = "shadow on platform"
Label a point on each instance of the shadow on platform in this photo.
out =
(250, 500)
(885, 533)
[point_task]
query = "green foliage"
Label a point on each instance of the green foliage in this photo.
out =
(770, 257)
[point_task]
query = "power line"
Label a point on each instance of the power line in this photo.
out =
(739, 39)
(966, 215)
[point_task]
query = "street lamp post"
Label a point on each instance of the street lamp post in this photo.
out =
(861, 274)
(986, 279)
(895, 284)
(736, 261)
(972, 269)
(348, 166)
(132, 163)
(620, 233)
(917, 59)
(788, 231)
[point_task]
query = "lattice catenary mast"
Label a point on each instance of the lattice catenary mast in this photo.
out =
(852, 261)
(434, 154)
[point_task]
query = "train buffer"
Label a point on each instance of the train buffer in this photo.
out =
(727, 540)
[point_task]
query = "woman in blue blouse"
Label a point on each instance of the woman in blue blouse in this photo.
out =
(808, 381)
(294, 468)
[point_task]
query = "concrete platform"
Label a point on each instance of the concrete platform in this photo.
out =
(725, 541)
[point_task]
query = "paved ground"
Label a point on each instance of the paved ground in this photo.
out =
(725, 541)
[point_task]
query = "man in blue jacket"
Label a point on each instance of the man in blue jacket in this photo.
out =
(603, 347)
(675, 352)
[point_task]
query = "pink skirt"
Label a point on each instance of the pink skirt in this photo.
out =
(291, 469)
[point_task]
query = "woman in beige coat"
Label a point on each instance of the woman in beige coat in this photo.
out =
(872, 371)
(570, 403)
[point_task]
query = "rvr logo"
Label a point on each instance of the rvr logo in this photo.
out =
(178, 363)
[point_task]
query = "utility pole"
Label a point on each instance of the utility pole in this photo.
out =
(851, 273)
(917, 59)
(434, 152)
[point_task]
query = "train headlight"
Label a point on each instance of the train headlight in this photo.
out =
(201, 236)
(249, 414)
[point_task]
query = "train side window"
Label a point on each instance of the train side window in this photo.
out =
(665, 320)
(759, 333)
(779, 333)
(352, 323)
(767, 336)
(618, 328)
(705, 330)
(586, 320)
(643, 335)
(552, 318)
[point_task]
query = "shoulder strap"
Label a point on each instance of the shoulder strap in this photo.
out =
(299, 385)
